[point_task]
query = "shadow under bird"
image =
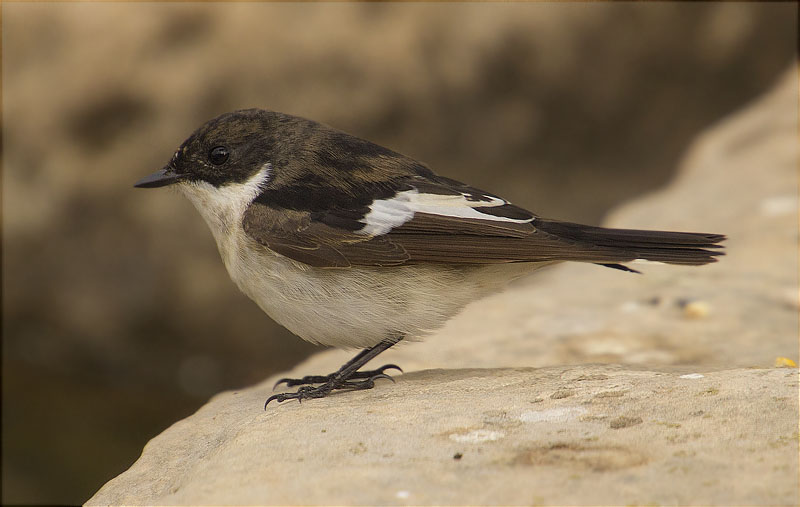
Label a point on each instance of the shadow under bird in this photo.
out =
(350, 244)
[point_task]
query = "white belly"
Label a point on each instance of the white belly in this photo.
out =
(359, 307)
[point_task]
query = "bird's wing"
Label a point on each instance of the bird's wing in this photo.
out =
(425, 220)
(444, 221)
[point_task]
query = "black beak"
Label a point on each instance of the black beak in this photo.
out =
(164, 177)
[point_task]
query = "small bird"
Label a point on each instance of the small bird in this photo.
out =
(350, 244)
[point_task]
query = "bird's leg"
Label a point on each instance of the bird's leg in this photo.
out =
(342, 379)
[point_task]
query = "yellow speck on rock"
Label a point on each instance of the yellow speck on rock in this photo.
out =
(696, 309)
(784, 362)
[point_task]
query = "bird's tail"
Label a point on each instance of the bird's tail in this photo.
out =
(612, 246)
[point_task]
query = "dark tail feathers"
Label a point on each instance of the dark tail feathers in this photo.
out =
(623, 245)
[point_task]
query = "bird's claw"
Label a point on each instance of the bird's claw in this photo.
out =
(321, 379)
(308, 392)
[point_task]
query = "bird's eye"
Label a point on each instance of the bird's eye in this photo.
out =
(218, 155)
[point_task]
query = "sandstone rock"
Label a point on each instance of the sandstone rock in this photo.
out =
(691, 412)
(486, 436)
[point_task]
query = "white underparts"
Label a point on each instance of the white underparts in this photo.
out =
(387, 214)
(343, 307)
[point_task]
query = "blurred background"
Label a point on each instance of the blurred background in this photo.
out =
(118, 316)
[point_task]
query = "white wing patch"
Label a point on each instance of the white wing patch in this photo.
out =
(387, 214)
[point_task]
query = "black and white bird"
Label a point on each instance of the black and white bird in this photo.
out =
(350, 244)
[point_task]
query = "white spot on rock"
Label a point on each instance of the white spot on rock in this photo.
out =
(477, 436)
(692, 375)
(561, 414)
(403, 494)
(630, 307)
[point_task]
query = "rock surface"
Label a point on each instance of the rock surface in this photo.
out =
(596, 434)
(650, 429)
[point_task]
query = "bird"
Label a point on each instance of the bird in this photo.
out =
(349, 244)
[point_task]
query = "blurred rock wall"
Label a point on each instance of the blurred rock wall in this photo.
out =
(118, 317)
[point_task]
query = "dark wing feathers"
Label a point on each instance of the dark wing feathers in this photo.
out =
(435, 238)
(296, 235)
(474, 242)
(441, 228)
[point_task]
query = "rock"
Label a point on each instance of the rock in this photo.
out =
(691, 413)
(397, 444)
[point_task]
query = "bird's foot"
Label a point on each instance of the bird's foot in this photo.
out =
(322, 379)
(330, 384)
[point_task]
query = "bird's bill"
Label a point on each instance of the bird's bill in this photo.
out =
(165, 176)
